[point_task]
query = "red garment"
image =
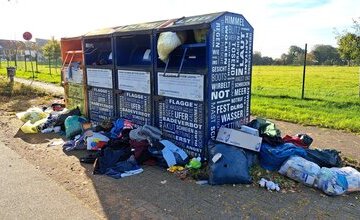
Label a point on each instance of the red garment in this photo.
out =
(295, 140)
(141, 153)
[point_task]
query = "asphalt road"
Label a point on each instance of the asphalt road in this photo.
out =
(26, 193)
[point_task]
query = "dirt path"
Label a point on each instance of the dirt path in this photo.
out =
(49, 87)
(347, 143)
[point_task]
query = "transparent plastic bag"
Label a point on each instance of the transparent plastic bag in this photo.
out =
(337, 181)
(301, 170)
(33, 114)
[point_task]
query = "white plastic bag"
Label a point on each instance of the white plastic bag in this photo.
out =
(337, 181)
(33, 114)
(301, 170)
(167, 42)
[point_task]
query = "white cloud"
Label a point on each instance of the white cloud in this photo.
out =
(278, 24)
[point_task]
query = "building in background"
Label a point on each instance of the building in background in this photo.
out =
(12, 50)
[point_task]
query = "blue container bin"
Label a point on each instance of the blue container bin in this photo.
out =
(206, 82)
(99, 70)
(134, 60)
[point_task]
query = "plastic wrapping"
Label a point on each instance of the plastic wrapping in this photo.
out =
(167, 42)
(73, 125)
(32, 128)
(337, 181)
(301, 170)
(32, 114)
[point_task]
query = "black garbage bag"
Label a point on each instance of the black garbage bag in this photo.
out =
(61, 118)
(324, 158)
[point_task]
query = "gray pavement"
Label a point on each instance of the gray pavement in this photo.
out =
(26, 193)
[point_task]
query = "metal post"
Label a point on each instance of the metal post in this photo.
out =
(25, 63)
(36, 62)
(304, 70)
(32, 67)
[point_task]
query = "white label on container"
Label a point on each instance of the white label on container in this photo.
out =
(135, 81)
(99, 78)
(185, 86)
(76, 75)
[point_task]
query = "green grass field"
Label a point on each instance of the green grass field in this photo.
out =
(331, 95)
(42, 75)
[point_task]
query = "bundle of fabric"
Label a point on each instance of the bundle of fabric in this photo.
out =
(168, 154)
(267, 130)
(119, 125)
(110, 155)
(271, 158)
(300, 140)
(146, 132)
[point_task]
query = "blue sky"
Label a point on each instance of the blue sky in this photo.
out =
(278, 24)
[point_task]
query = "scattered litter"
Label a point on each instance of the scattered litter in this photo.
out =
(195, 163)
(56, 143)
(202, 182)
(174, 169)
(55, 129)
(163, 182)
(269, 185)
(216, 157)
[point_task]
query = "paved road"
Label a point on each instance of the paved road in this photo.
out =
(26, 193)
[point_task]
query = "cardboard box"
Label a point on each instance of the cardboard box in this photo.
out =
(239, 139)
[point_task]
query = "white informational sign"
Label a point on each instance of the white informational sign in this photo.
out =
(99, 78)
(75, 76)
(134, 81)
(185, 86)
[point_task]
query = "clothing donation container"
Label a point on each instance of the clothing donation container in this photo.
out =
(99, 68)
(134, 71)
(205, 81)
(72, 73)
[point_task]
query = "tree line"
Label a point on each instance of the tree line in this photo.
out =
(347, 52)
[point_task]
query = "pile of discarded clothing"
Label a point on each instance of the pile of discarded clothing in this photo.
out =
(119, 149)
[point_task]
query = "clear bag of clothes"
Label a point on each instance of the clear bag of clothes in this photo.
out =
(301, 170)
(337, 181)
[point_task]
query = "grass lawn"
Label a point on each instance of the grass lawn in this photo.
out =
(332, 95)
(42, 75)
